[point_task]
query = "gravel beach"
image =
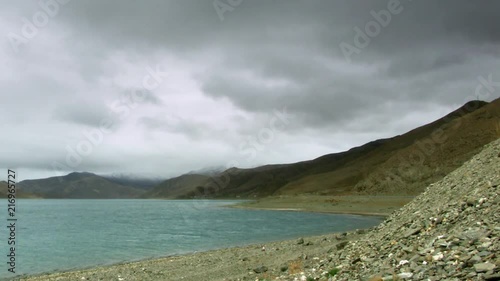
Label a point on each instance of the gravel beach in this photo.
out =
(263, 261)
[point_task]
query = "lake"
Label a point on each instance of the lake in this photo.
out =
(69, 234)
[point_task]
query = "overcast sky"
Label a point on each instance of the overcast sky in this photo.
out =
(160, 88)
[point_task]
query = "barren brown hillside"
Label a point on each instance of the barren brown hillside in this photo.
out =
(406, 164)
(19, 193)
(431, 158)
(402, 165)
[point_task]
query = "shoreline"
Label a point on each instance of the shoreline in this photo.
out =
(368, 214)
(178, 263)
(363, 205)
(239, 261)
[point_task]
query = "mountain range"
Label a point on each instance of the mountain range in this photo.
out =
(79, 186)
(401, 165)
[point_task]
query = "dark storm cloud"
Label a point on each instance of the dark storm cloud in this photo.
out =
(477, 20)
(427, 37)
(318, 104)
(274, 36)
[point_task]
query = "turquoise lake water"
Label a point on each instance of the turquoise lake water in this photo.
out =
(53, 235)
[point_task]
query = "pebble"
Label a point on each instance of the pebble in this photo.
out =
(260, 269)
(484, 267)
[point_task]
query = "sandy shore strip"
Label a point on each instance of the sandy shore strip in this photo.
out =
(349, 204)
(265, 261)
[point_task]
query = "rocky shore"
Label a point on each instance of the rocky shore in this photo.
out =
(450, 232)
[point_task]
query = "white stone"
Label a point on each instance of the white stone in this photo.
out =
(405, 275)
(403, 262)
(438, 257)
(486, 244)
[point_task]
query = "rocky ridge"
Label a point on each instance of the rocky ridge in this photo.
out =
(450, 232)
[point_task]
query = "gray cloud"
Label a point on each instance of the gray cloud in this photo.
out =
(176, 125)
(222, 80)
(84, 113)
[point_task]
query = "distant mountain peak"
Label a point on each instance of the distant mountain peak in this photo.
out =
(78, 175)
(208, 171)
(467, 108)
